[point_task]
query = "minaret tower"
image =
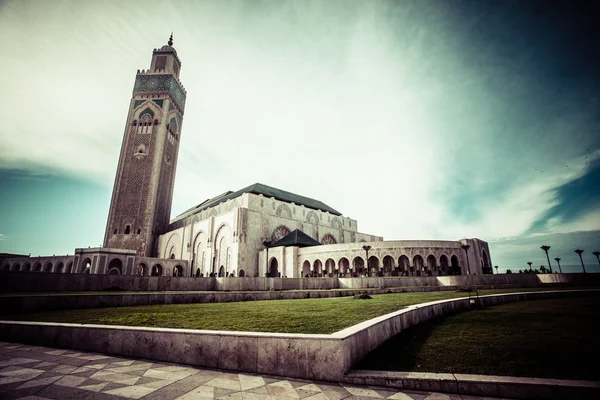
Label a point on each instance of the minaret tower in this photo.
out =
(140, 208)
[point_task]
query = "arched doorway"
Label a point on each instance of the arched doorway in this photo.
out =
(431, 264)
(443, 264)
(358, 266)
(6, 267)
(373, 269)
(157, 270)
(59, 268)
(388, 266)
(69, 267)
(403, 265)
(17, 267)
(318, 268)
(455, 269)
(37, 267)
(221, 271)
(305, 269)
(242, 273)
(343, 266)
(418, 264)
(142, 269)
(115, 267)
(273, 268)
(47, 267)
(178, 271)
(329, 267)
(85, 264)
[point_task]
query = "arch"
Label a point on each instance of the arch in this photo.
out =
(388, 265)
(69, 268)
(59, 268)
(329, 266)
(343, 266)
(17, 267)
(335, 223)
(418, 264)
(279, 233)
(172, 247)
(26, 267)
(6, 266)
(115, 267)
(317, 267)
(403, 265)
(455, 267)
(373, 264)
(312, 218)
(283, 211)
(305, 269)
(142, 269)
(222, 271)
(273, 268)
(86, 263)
(157, 270)
(431, 264)
(223, 241)
(199, 246)
(47, 267)
(485, 266)
(178, 271)
(358, 266)
(328, 239)
(242, 273)
(37, 266)
(443, 264)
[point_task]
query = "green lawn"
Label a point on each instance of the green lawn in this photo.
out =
(294, 316)
(554, 338)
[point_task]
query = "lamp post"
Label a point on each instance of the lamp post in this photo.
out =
(557, 259)
(546, 248)
(496, 269)
(579, 252)
(529, 263)
(266, 243)
(366, 248)
(466, 247)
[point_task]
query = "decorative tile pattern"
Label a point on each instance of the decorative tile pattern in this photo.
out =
(60, 374)
(160, 83)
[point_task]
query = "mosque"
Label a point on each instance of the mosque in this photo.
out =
(256, 231)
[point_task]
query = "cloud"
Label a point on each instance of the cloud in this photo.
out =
(4, 237)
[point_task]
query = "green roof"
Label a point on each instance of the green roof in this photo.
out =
(259, 188)
(296, 238)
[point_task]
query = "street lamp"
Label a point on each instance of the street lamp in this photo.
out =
(366, 248)
(546, 248)
(558, 261)
(267, 243)
(465, 248)
(579, 252)
(529, 263)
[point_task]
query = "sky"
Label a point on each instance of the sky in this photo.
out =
(421, 119)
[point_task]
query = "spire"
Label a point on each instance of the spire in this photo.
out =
(170, 42)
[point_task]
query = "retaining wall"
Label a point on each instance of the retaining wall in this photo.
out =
(323, 357)
(49, 282)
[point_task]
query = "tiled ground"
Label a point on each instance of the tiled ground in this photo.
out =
(30, 372)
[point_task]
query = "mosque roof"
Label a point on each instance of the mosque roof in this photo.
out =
(259, 188)
(296, 238)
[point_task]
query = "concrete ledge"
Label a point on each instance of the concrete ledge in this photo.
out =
(479, 385)
(321, 357)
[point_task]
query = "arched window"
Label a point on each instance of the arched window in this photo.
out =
(127, 229)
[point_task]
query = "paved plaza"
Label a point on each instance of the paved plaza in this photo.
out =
(32, 372)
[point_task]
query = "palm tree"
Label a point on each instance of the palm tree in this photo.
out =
(578, 251)
(546, 248)
(597, 254)
(529, 263)
(558, 261)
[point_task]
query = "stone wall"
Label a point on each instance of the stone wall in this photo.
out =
(324, 357)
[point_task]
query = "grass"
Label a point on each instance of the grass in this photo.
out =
(554, 338)
(322, 316)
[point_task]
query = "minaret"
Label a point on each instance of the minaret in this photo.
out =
(140, 208)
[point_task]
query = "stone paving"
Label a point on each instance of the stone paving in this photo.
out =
(32, 372)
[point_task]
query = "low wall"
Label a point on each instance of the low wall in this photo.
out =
(30, 282)
(323, 357)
